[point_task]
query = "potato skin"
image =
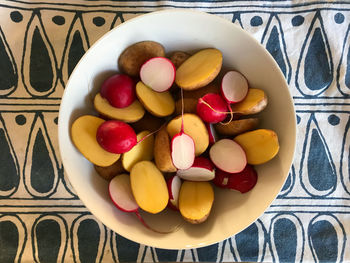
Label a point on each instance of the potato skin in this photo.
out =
(132, 58)
(162, 152)
(190, 106)
(196, 221)
(237, 126)
(109, 172)
(178, 57)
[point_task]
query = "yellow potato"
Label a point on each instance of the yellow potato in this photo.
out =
(142, 151)
(149, 187)
(109, 172)
(160, 104)
(199, 69)
(254, 102)
(195, 201)
(83, 132)
(260, 145)
(162, 152)
(194, 127)
(132, 58)
(237, 126)
(132, 113)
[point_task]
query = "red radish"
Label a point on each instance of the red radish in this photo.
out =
(174, 185)
(116, 136)
(182, 151)
(213, 137)
(119, 90)
(234, 87)
(201, 170)
(212, 108)
(227, 155)
(121, 194)
(158, 73)
(243, 181)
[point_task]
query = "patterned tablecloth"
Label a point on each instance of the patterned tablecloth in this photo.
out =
(42, 219)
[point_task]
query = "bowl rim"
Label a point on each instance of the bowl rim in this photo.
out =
(181, 11)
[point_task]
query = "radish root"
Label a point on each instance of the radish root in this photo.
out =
(230, 112)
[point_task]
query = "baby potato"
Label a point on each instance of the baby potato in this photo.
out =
(109, 172)
(132, 58)
(254, 102)
(237, 126)
(190, 106)
(162, 152)
(178, 57)
(148, 122)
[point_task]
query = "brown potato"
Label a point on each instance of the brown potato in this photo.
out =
(254, 102)
(195, 201)
(162, 152)
(83, 132)
(109, 172)
(199, 70)
(132, 113)
(132, 58)
(212, 87)
(148, 122)
(178, 57)
(190, 106)
(237, 126)
(194, 127)
(159, 104)
(259, 145)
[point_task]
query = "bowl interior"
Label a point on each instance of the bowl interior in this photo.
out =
(188, 31)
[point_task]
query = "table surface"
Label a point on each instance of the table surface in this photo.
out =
(42, 219)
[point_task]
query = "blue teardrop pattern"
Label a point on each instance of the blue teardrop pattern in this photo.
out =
(345, 159)
(9, 166)
(343, 70)
(166, 255)
(39, 64)
(326, 238)
(287, 238)
(89, 239)
(289, 184)
(208, 253)
(8, 68)
(317, 172)
(247, 243)
(315, 69)
(124, 250)
(40, 164)
(53, 230)
(273, 39)
(236, 19)
(14, 235)
(77, 44)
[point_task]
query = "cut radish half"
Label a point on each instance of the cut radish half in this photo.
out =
(201, 170)
(228, 156)
(174, 185)
(182, 151)
(234, 87)
(121, 193)
(213, 137)
(158, 73)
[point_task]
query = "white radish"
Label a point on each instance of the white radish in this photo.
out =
(174, 185)
(227, 155)
(182, 151)
(201, 170)
(158, 73)
(121, 193)
(122, 197)
(213, 137)
(234, 87)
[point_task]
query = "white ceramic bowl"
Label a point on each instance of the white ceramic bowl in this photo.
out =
(181, 30)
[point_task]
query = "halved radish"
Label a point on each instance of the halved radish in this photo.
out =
(212, 108)
(234, 87)
(174, 185)
(182, 151)
(213, 137)
(227, 155)
(158, 73)
(201, 170)
(116, 136)
(121, 194)
(243, 181)
(119, 90)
